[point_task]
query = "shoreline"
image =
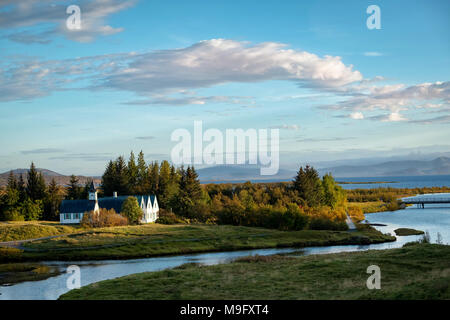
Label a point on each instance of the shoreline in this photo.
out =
(324, 276)
(170, 240)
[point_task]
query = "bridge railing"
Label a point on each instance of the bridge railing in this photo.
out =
(425, 199)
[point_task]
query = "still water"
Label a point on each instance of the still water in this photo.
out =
(396, 182)
(433, 219)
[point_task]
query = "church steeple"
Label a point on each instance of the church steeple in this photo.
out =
(92, 192)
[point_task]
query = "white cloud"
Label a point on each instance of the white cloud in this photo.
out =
(160, 76)
(357, 115)
(287, 127)
(395, 99)
(33, 13)
(395, 116)
(220, 61)
(373, 54)
(188, 100)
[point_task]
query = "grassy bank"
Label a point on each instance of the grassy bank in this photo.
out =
(408, 232)
(156, 240)
(420, 271)
(19, 272)
(20, 230)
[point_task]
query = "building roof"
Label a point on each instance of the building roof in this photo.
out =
(76, 206)
(112, 203)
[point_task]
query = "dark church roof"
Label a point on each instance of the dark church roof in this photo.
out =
(76, 206)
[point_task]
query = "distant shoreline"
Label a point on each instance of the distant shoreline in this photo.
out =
(365, 182)
(238, 181)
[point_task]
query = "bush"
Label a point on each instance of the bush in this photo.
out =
(13, 215)
(318, 223)
(104, 218)
(132, 210)
(356, 213)
(166, 217)
(292, 219)
(393, 205)
(32, 210)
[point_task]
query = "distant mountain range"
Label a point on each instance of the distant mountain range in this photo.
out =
(48, 176)
(438, 166)
(238, 173)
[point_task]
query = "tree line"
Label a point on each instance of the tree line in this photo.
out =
(308, 202)
(30, 199)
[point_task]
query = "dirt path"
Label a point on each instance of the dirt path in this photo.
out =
(18, 243)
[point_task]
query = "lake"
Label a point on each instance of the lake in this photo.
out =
(398, 182)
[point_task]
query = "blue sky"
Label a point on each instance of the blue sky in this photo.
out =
(137, 70)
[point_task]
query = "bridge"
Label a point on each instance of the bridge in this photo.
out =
(423, 199)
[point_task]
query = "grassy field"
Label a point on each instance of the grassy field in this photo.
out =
(156, 240)
(419, 271)
(20, 230)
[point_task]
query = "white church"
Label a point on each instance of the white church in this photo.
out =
(72, 211)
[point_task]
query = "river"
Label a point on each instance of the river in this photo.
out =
(433, 219)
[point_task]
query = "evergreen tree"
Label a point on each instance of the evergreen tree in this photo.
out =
(74, 190)
(168, 185)
(84, 192)
(309, 187)
(190, 193)
(153, 178)
(108, 179)
(22, 189)
(35, 184)
(142, 175)
(121, 176)
(10, 200)
(141, 171)
(12, 181)
(132, 173)
(52, 202)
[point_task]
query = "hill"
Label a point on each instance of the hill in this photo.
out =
(438, 166)
(48, 176)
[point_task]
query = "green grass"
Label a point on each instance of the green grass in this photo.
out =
(12, 231)
(407, 232)
(419, 271)
(156, 240)
(19, 272)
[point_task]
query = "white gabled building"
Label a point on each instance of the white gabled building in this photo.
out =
(72, 211)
